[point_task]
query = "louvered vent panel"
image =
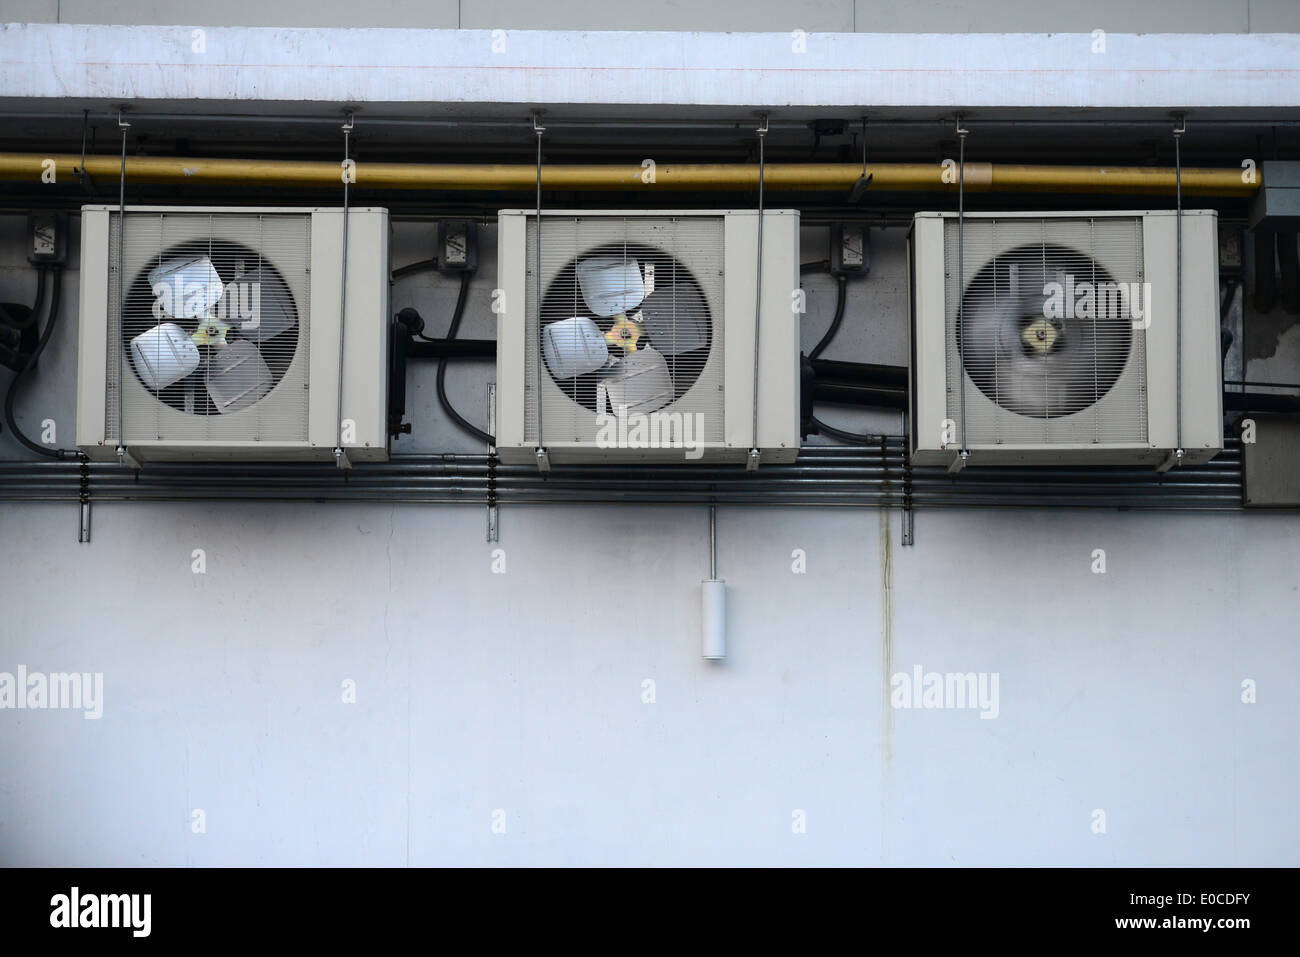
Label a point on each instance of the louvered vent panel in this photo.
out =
(213, 342)
(630, 317)
(1044, 330)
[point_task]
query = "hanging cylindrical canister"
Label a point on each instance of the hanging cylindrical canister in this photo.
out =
(713, 619)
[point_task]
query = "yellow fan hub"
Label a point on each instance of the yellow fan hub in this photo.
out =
(211, 332)
(623, 334)
(1040, 336)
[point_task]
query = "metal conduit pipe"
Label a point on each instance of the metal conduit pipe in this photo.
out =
(980, 177)
(822, 476)
(865, 372)
(722, 123)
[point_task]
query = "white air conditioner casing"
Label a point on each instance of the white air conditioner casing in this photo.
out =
(278, 385)
(693, 347)
(1041, 381)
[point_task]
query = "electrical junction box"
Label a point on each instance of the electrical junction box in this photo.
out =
(1271, 463)
(47, 239)
(1276, 205)
(850, 250)
(457, 245)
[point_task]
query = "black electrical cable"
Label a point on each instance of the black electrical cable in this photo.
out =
(20, 324)
(848, 437)
(414, 267)
(835, 322)
(821, 427)
(442, 366)
(818, 265)
(12, 393)
(1229, 293)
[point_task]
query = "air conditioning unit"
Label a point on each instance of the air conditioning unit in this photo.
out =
(221, 337)
(636, 341)
(1058, 341)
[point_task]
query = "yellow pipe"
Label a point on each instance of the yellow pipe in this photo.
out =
(980, 177)
(1122, 179)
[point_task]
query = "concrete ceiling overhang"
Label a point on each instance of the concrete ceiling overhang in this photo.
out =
(392, 71)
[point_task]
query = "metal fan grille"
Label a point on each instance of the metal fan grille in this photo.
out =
(664, 276)
(251, 384)
(1043, 332)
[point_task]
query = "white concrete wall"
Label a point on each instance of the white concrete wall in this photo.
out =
(522, 691)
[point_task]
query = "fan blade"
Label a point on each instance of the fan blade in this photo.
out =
(163, 355)
(258, 304)
(185, 287)
(639, 382)
(676, 319)
(573, 347)
(237, 377)
(610, 286)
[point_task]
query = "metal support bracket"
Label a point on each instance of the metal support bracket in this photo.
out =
(83, 177)
(543, 459)
(121, 292)
(961, 277)
(713, 542)
(340, 457)
(908, 513)
(493, 527)
(755, 454)
(1180, 127)
(83, 528)
(859, 189)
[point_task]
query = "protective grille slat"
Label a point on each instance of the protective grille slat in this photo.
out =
(630, 318)
(1045, 331)
(213, 342)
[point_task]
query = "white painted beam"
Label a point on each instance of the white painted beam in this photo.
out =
(224, 65)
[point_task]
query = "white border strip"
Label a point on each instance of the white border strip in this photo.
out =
(231, 64)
